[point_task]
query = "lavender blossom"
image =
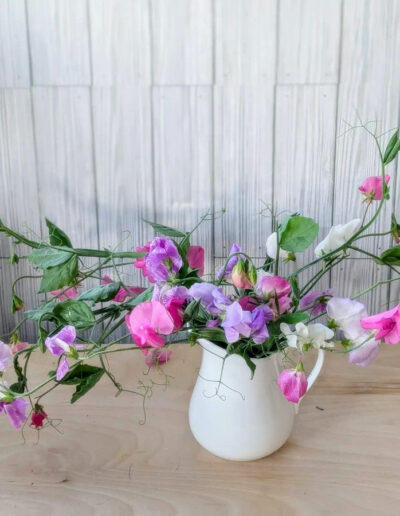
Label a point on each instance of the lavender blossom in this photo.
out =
(163, 259)
(212, 298)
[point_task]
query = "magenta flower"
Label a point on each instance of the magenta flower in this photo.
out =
(140, 263)
(163, 259)
(212, 298)
(239, 322)
(372, 188)
(5, 356)
(269, 286)
(38, 417)
(293, 383)
(387, 323)
(231, 262)
(316, 301)
(62, 341)
(70, 293)
(365, 354)
(148, 322)
(15, 411)
(173, 299)
(248, 303)
(195, 258)
(123, 292)
(158, 356)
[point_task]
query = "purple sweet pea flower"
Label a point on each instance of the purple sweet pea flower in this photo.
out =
(5, 356)
(166, 293)
(61, 342)
(231, 263)
(212, 298)
(163, 259)
(213, 323)
(15, 411)
(239, 322)
(319, 307)
(62, 369)
(366, 353)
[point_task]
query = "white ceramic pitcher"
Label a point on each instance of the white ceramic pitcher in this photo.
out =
(236, 417)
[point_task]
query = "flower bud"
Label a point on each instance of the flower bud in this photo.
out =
(13, 258)
(16, 304)
(240, 275)
(293, 383)
(38, 416)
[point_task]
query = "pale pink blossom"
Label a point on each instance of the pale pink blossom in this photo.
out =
(372, 187)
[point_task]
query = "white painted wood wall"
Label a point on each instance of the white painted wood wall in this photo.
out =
(115, 110)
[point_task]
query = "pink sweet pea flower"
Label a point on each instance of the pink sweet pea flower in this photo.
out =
(372, 187)
(158, 356)
(387, 323)
(195, 258)
(5, 356)
(269, 285)
(71, 293)
(19, 346)
(174, 307)
(284, 305)
(140, 263)
(148, 322)
(293, 383)
(122, 293)
(15, 411)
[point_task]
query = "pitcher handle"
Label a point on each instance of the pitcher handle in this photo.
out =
(314, 374)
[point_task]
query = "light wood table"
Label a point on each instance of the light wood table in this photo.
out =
(343, 457)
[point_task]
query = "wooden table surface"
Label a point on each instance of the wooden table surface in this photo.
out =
(343, 459)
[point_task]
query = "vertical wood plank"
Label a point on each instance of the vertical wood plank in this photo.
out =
(182, 42)
(245, 41)
(14, 59)
(356, 159)
(120, 41)
(18, 179)
(122, 132)
(59, 41)
(371, 41)
(304, 156)
(65, 161)
(183, 160)
(243, 146)
(309, 41)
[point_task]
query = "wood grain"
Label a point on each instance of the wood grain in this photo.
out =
(342, 458)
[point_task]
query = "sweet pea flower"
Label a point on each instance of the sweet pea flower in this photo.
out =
(346, 315)
(5, 356)
(212, 298)
(62, 341)
(70, 293)
(15, 411)
(270, 285)
(38, 417)
(213, 323)
(163, 259)
(293, 383)
(272, 248)
(19, 346)
(337, 236)
(173, 299)
(372, 187)
(387, 323)
(195, 258)
(123, 292)
(158, 356)
(140, 263)
(62, 369)
(366, 352)
(248, 303)
(316, 301)
(305, 337)
(239, 322)
(148, 322)
(227, 271)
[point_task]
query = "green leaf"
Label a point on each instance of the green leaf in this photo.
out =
(100, 293)
(46, 257)
(84, 377)
(392, 148)
(391, 256)
(60, 276)
(141, 298)
(75, 313)
(297, 233)
(213, 334)
(165, 230)
(57, 236)
(36, 313)
(293, 318)
(294, 285)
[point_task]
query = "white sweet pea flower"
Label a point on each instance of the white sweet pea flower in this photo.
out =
(347, 313)
(337, 236)
(304, 337)
(272, 247)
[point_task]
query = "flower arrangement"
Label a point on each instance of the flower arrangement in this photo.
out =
(250, 311)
